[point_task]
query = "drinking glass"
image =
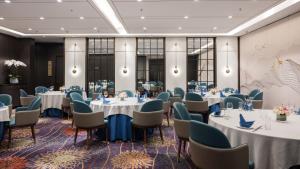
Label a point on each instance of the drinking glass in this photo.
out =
(229, 107)
(241, 106)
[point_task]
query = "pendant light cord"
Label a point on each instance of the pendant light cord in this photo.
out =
(74, 53)
(227, 55)
(176, 50)
(125, 54)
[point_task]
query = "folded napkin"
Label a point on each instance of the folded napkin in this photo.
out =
(244, 123)
(215, 109)
(2, 104)
(222, 94)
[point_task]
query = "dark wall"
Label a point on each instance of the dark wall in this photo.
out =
(45, 52)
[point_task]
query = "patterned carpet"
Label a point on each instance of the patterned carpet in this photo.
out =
(55, 149)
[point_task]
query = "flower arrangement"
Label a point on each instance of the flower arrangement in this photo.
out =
(13, 66)
(213, 91)
(281, 112)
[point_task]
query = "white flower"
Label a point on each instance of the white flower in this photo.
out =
(15, 63)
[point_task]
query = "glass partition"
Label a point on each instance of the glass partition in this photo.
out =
(150, 67)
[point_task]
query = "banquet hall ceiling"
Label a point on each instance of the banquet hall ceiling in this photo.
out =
(160, 16)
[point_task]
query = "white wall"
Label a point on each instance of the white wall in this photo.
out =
(175, 80)
(79, 77)
(125, 81)
(223, 79)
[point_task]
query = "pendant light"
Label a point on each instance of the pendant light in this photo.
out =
(74, 71)
(176, 51)
(125, 66)
(227, 70)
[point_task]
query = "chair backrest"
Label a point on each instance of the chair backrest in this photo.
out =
(81, 107)
(23, 93)
(193, 97)
(259, 96)
(6, 99)
(179, 91)
(41, 89)
(234, 100)
(128, 93)
(73, 91)
(191, 86)
(238, 96)
(153, 105)
(35, 104)
(207, 135)
(164, 96)
(75, 87)
(207, 157)
(228, 89)
(181, 112)
(171, 94)
(253, 92)
(76, 97)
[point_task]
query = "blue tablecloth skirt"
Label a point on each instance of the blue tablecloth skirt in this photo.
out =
(120, 128)
(53, 112)
(3, 129)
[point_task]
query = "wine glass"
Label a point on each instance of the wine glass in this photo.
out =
(241, 106)
(229, 106)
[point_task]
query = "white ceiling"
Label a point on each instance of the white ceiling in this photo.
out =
(161, 16)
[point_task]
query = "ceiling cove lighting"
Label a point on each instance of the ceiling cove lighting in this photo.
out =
(1, 18)
(110, 15)
(7, 1)
(42, 18)
(283, 5)
(11, 31)
(59, 1)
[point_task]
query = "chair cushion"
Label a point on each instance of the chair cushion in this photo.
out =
(6, 99)
(24, 108)
(181, 112)
(154, 105)
(164, 96)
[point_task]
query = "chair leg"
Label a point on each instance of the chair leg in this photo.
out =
(161, 134)
(184, 145)
(76, 133)
(145, 135)
(9, 137)
(133, 133)
(167, 113)
(72, 122)
(33, 133)
(106, 134)
(179, 149)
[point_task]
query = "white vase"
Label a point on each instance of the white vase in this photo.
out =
(13, 80)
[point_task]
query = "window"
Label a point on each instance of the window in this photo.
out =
(201, 63)
(101, 65)
(150, 75)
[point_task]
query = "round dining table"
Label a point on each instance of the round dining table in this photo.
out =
(118, 114)
(272, 144)
(4, 118)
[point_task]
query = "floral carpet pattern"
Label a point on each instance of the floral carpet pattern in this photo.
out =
(54, 149)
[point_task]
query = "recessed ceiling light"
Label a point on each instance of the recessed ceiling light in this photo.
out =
(81, 18)
(179, 28)
(62, 28)
(230, 17)
(144, 28)
(1, 18)
(29, 29)
(196, 0)
(59, 1)
(7, 1)
(215, 28)
(139, 0)
(95, 28)
(42, 18)
(142, 17)
(186, 17)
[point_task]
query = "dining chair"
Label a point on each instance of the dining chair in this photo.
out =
(128, 93)
(165, 96)
(6, 99)
(25, 99)
(238, 96)
(150, 116)
(182, 125)
(179, 92)
(76, 96)
(253, 92)
(25, 117)
(173, 99)
(195, 104)
(40, 89)
(75, 87)
(234, 100)
(257, 100)
(228, 89)
(210, 149)
(86, 119)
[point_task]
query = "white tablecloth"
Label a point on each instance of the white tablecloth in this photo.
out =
(4, 114)
(211, 99)
(116, 106)
(275, 148)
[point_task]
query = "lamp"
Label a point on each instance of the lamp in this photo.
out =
(176, 69)
(74, 71)
(227, 70)
(125, 66)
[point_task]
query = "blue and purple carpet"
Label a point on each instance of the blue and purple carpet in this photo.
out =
(54, 149)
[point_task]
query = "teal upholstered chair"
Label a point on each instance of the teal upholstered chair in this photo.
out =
(128, 93)
(182, 124)
(41, 89)
(193, 97)
(234, 100)
(238, 96)
(150, 116)
(25, 117)
(73, 91)
(257, 100)
(7, 101)
(171, 94)
(75, 87)
(179, 92)
(228, 90)
(252, 93)
(67, 105)
(76, 96)
(86, 119)
(165, 97)
(210, 149)
(25, 99)
(173, 99)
